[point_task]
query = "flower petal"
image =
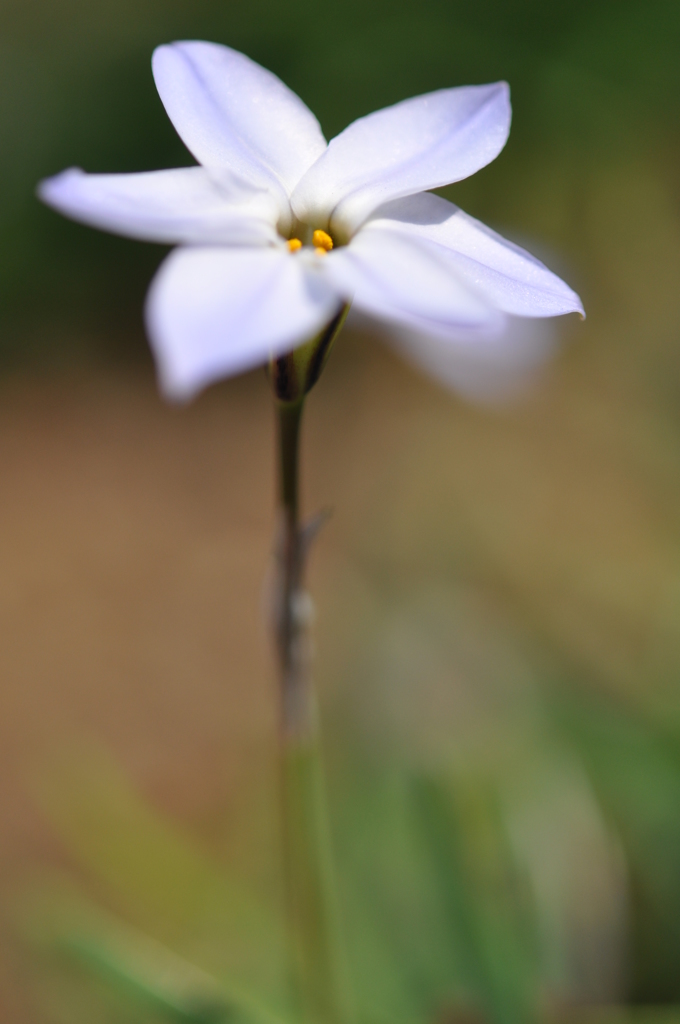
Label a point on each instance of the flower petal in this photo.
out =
(215, 312)
(181, 205)
(510, 278)
(231, 112)
(421, 143)
(404, 281)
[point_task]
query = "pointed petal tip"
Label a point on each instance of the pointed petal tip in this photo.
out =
(162, 58)
(572, 304)
(501, 93)
(569, 302)
(166, 48)
(504, 89)
(500, 88)
(169, 50)
(50, 190)
(577, 306)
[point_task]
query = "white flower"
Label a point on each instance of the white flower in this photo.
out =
(241, 288)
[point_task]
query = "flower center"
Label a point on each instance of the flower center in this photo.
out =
(321, 241)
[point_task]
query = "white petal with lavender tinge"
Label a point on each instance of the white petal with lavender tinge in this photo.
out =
(420, 143)
(405, 282)
(509, 277)
(175, 206)
(230, 112)
(214, 312)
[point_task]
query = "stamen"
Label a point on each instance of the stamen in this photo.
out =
(294, 244)
(322, 240)
(321, 252)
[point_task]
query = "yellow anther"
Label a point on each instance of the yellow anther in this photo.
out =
(321, 252)
(322, 240)
(294, 244)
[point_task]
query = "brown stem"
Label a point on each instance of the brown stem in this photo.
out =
(292, 602)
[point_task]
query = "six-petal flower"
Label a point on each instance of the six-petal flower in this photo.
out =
(247, 281)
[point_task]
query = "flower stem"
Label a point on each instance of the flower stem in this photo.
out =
(310, 886)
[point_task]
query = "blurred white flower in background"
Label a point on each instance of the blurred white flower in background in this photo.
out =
(277, 229)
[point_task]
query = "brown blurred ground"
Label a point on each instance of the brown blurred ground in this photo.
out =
(134, 541)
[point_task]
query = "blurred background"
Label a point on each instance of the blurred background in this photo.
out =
(498, 590)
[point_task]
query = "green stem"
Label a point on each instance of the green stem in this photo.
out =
(310, 886)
